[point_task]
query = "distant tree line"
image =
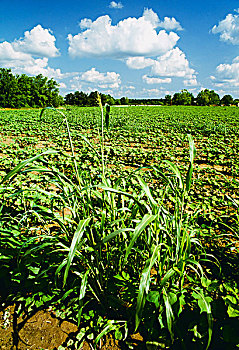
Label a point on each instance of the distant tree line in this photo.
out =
(18, 91)
(184, 97)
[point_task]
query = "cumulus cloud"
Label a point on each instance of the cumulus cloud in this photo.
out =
(29, 55)
(109, 79)
(40, 66)
(228, 29)
(38, 42)
(8, 53)
(152, 80)
(227, 75)
(191, 82)
(139, 62)
(170, 24)
(115, 5)
(172, 64)
(85, 23)
(128, 38)
(97, 79)
(152, 92)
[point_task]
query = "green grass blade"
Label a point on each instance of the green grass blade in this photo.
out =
(144, 287)
(169, 313)
(82, 295)
(115, 233)
(74, 244)
(147, 219)
(176, 171)
(24, 163)
(146, 189)
(192, 153)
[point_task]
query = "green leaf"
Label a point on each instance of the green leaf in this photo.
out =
(154, 297)
(118, 335)
(176, 171)
(74, 244)
(147, 219)
(108, 328)
(204, 304)
(24, 163)
(233, 306)
(146, 189)
(82, 295)
(144, 286)
(169, 312)
(115, 233)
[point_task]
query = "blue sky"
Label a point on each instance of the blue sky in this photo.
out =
(143, 49)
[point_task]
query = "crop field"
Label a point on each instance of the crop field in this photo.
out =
(123, 223)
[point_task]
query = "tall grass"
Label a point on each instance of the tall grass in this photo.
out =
(121, 248)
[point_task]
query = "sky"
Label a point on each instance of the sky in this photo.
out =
(138, 49)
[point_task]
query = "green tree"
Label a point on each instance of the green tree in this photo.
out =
(236, 102)
(184, 98)
(124, 101)
(23, 91)
(92, 99)
(207, 97)
(9, 92)
(227, 100)
(168, 100)
(70, 99)
(25, 87)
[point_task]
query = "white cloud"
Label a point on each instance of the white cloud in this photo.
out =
(152, 92)
(115, 5)
(29, 55)
(97, 80)
(170, 24)
(85, 23)
(228, 29)
(129, 38)
(93, 76)
(152, 80)
(8, 53)
(40, 66)
(172, 64)
(62, 85)
(38, 42)
(191, 82)
(139, 62)
(227, 75)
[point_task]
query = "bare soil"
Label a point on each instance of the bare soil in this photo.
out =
(44, 331)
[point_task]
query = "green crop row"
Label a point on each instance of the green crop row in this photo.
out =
(125, 222)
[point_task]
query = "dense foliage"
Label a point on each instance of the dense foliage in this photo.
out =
(184, 98)
(120, 226)
(18, 91)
